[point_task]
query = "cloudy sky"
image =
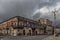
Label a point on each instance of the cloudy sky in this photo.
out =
(32, 9)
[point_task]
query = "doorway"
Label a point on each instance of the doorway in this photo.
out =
(29, 32)
(36, 32)
(23, 32)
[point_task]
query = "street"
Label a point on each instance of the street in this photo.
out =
(41, 37)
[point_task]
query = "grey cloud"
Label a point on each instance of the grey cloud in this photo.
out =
(36, 16)
(51, 3)
(18, 7)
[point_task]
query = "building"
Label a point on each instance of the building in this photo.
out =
(18, 26)
(57, 31)
(22, 26)
(39, 31)
(45, 21)
(49, 30)
(47, 25)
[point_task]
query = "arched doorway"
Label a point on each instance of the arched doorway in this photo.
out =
(23, 32)
(35, 32)
(29, 32)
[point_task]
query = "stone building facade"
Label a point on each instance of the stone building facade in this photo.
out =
(18, 26)
(57, 31)
(49, 30)
(47, 25)
(22, 26)
(45, 21)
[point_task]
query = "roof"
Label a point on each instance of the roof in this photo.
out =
(30, 20)
(44, 19)
(8, 19)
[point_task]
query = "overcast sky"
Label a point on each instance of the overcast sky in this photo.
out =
(32, 9)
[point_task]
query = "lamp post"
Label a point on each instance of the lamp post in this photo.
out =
(54, 13)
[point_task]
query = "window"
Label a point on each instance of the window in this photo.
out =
(28, 24)
(9, 24)
(31, 24)
(20, 23)
(14, 23)
(25, 24)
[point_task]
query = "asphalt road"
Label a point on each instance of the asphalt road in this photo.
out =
(40, 37)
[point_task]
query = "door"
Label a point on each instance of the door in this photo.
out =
(36, 32)
(23, 32)
(29, 32)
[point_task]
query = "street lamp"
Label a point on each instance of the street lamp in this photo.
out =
(54, 12)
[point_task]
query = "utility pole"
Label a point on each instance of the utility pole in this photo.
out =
(54, 13)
